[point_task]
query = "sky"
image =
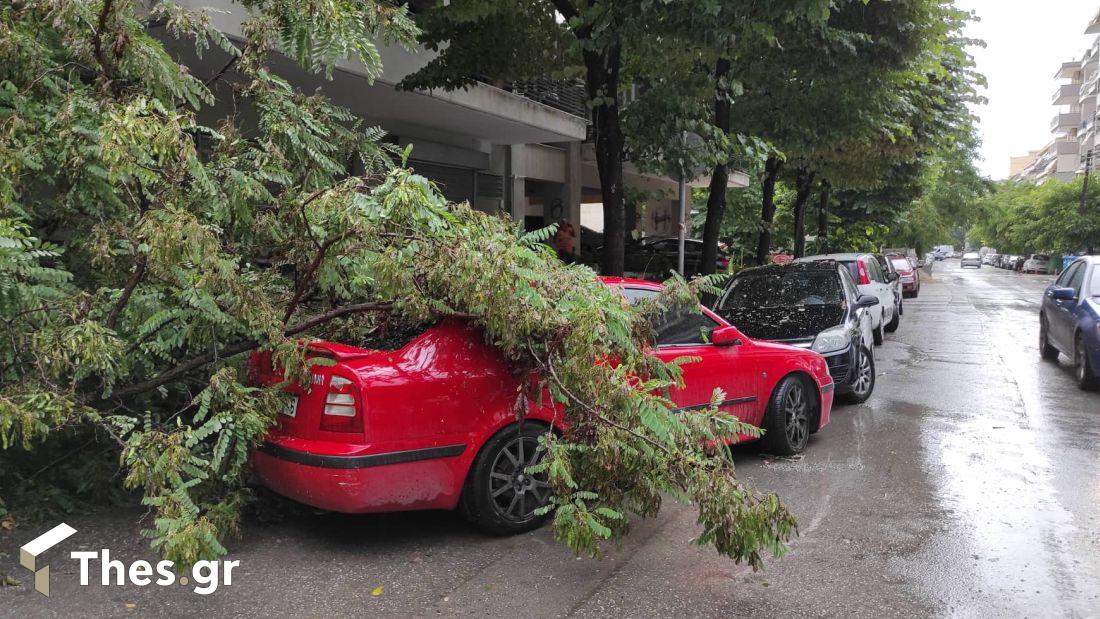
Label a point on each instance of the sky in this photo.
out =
(1026, 42)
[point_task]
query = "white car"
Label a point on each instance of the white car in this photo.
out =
(971, 259)
(1037, 263)
(871, 279)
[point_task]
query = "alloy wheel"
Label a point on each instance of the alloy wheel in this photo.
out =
(796, 412)
(514, 492)
(863, 376)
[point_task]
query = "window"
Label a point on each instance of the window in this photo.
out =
(853, 269)
(1067, 274)
(784, 288)
(849, 284)
(901, 264)
(873, 271)
(682, 328)
(1077, 279)
(1094, 284)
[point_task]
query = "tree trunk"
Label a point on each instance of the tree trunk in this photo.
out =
(767, 208)
(823, 218)
(602, 84)
(804, 185)
(719, 178)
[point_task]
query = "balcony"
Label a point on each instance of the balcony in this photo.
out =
(1066, 94)
(1068, 70)
(1065, 121)
(1066, 147)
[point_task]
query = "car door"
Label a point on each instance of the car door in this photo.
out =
(862, 314)
(687, 334)
(880, 288)
(1062, 314)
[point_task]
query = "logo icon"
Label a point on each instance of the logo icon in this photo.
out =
(29, 553)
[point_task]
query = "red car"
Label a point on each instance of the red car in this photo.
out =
(907, 271)
(431, 425)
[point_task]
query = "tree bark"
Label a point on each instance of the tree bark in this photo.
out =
(804, 185)
(602, 85)
(823, 218)
(767, 208)
(719, 178)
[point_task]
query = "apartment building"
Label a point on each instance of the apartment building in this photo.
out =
(1074, 125)
(520, 149)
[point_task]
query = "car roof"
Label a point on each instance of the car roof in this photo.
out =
(800, 266)
(608, 280)
(847, 256)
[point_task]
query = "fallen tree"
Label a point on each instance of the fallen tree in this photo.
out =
(143, 253)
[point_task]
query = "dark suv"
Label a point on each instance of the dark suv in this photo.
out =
(809, 305)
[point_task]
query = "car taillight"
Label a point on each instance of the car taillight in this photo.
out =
(341, 412)
(864, 279)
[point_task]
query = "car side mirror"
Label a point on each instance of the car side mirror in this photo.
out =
(891, 277)
(726, 336)
(1062, 294)
(866, 300)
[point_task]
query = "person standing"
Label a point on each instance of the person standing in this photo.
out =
(565, 241)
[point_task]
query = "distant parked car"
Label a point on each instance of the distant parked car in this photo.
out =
(908, 274)
(870, 279)
(656, 257)
(990, 259)
(1069, 320)
(1037, 263)
(971, 259)
(809, 305)
(1007, 261)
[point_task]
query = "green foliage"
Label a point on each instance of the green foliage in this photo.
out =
(176, 247)
(1023, 218)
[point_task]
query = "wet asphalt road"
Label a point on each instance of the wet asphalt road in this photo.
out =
(968, 485)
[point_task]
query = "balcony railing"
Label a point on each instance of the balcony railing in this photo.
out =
(1067, 120)
(1066, 94)
(569, 97)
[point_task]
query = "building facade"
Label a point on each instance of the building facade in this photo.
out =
(1073, 127)
(519, 148)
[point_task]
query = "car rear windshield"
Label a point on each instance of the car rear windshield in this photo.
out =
(784, 288)
(853, 268)
(970, 256)
(902, 264)
(1040, 257)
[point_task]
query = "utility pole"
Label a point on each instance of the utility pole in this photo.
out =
(1085, 185)
(1081, 210)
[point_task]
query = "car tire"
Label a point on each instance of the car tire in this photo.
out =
(499, 498)
(790, 413)
(877, 334)
(864, 384)
(1082, 367)
(895, 322)
(1046, 351)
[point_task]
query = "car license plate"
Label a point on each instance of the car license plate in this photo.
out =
(291, 406)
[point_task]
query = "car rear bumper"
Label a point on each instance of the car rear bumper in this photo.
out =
(376, 482)
(909, 286)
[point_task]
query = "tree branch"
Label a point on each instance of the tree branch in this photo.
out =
(307, 279)
(97, 40)
(241, 346)
(139, 272)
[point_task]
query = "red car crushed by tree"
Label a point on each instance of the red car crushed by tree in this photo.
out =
(432, 425)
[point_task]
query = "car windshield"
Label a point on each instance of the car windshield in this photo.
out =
(901, 264)
(784, 288)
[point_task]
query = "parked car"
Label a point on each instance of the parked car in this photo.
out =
(870, 279)
(1069, 320)
(892, 275)
(656, 257)
(431, 424)
(990, 259)
(971, 259)
(908, 274)
(1007, 261)
(809, 305)
(1037, 263)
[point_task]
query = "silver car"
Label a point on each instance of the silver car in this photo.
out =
(971, 259)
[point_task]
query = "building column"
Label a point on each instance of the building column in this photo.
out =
(515, 184)
(573, 190)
